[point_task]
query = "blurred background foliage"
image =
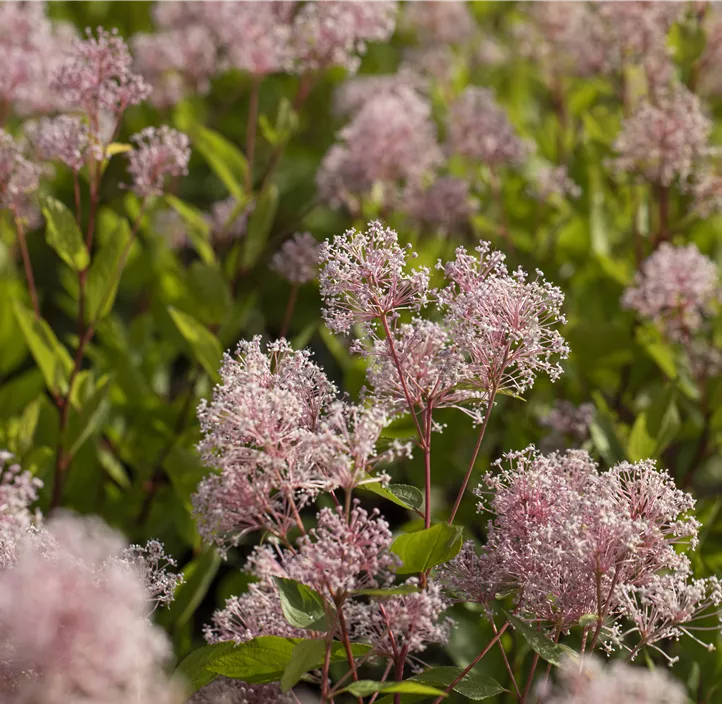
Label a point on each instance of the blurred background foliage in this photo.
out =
(133, 437)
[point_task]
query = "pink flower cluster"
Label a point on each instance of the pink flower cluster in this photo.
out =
(446, 22)
(228, 691)
(494, 330)
(160, 153)
(664, 141)
(591, 681)
(279, 437)
(31, 47)
(297, 259)
(567, 421)
(572, 543)
(391, 141)
(479, 129)
(74, 619)
(445, 204)
(599, 38)
(676, 288)
(19, 177)
(18, 491)
(64, 138)
(341, 555)
(197, 41)
(97, 78)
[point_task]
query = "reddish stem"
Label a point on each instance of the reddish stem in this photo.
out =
(62, 460)
(460, 495)
(530, 679)
(399, 369)
(27, 265)
(288, 314)
(427, 467)
(473, 663)
(347, 645)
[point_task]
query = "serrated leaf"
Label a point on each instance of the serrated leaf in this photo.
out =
(474, 685)
(225, 159)
(302, 606)
(401, 494)
(259, 226)
(52, 358)
(63, 234)
(539, 643)
(364, 688)
(105, 271)
(203, 344)
(426, 548)
(304, 657)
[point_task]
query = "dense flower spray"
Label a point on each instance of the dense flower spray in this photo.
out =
(591, 681)
(228, 691)
(297, 260)
(64, 138)
(160, 154)
(18, 492)
(31, 47)
(479, 129)
(19, 177)
(97, 78)
(74, 621)
(443, 22)
(389, 142)
(676, 288)
(664, 141)
(571, 543)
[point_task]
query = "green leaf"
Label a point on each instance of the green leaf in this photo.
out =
(401, 494)
(107, 267)
(226, 161)
(258, 661)
(364, 688)
(265, 659)
(193, 670)
(198, 575)
(426, 548)
(117, 148)
(474, 685)
(604, 434)
(203, 344)
(641, 443)
(658, 350)
(259, 226)
(88, 420)
(52, 358)
(304, 657)
(199, 231)
(663, 419)
(302, 606)
(63, 234)
(211, 295)
(539, 643)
